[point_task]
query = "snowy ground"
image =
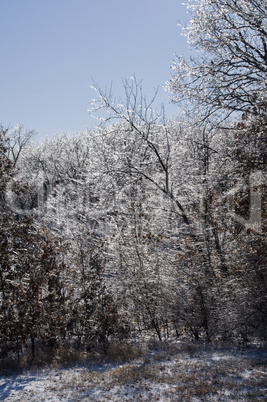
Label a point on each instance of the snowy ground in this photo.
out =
(162, 375)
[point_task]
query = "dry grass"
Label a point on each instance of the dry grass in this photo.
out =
(207, 376)
(123, 352)
(69, 356)
(169, 372)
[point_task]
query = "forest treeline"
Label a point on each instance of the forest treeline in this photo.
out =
(144, 226)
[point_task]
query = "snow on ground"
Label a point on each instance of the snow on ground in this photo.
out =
(196, 375)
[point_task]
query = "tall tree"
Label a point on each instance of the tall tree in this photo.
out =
(231, 71)
(30, 269)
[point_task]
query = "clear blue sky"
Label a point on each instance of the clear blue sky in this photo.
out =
(51, 50)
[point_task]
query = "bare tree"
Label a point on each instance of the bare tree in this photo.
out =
(140, 118)
(230, 75)
(16, 139)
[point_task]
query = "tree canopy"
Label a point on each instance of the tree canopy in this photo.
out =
(230, 73)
